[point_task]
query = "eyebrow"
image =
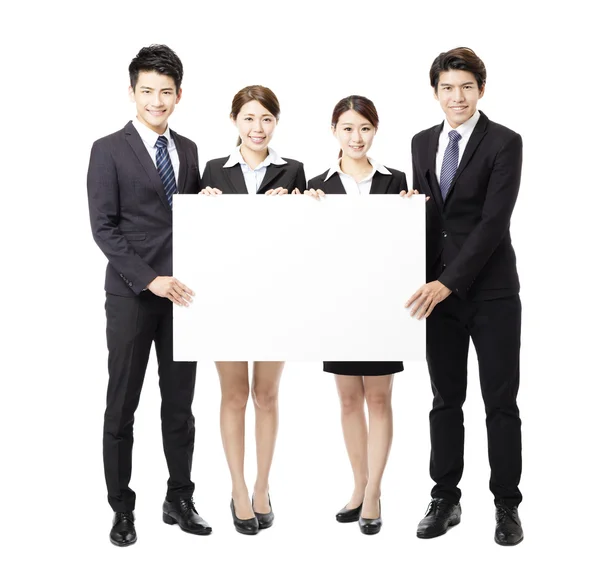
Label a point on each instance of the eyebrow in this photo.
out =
(253, 115)
(153, 89)
(462, 84)
(352, 124)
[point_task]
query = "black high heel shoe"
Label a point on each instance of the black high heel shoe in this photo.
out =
(346, 515)
(264, 520)
(370, 526)
(247, 527)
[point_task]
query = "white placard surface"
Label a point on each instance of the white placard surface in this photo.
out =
(290, 278)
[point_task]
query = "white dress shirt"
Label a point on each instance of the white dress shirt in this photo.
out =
(353, 187)
(465, 130)
(149, 138)
(253, 178)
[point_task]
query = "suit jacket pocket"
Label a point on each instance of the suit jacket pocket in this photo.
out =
(134, 236)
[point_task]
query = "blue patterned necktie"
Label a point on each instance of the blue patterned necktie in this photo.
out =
(450, 163)
(165, 168)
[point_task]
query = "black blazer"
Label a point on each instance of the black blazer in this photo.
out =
(231, 180)
(468, 239)
(130, 216)
(381, 184)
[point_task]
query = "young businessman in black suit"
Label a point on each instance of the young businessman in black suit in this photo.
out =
(133, 174)
(471, 168)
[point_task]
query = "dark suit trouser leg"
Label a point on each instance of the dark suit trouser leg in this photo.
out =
(447, 352)
(496, 333)
(177, 381)
(130, 326)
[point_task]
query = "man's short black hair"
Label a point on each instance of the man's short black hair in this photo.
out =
(461, 58)
(159, 58)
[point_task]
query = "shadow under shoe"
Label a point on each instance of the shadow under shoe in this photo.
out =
(508, 525)
(264, 520)
(183, 512)
(370, 526)
(247, 527)
(123, 533)
(440, 515)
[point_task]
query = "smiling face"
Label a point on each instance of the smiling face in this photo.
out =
(458, 93)
(256, 126)
(354, 134)
(155, 98)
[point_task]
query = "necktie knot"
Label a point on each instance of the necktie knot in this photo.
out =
(162, 142)
(453, 135)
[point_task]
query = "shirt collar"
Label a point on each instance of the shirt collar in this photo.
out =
(237, 158)
(465, 129)
(377, 167)
(148, 135)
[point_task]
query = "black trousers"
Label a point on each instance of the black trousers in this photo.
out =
(132, 324)
(495, 327)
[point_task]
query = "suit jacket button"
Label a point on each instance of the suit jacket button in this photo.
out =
(444, 234)
(130, 284)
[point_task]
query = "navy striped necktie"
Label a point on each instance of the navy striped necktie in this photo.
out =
(449, 163)
(165, 168)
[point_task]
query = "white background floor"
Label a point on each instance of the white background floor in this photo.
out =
(65, 84)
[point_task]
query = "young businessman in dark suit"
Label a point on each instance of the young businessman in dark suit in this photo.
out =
(133, 174)
(471, 168)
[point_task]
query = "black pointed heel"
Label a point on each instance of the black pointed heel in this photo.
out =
(264, 520)
(247, 527)
(370, 526)
(347, 515)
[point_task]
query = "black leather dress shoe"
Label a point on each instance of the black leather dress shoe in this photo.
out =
(247, 527)
(347, 515)
(123, 530)
(183, 512)
(508, 525)
(370, 526)
(440, 515)
(264, 520)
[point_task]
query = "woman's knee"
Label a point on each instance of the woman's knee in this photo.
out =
(352, 401)
(265, 398)
(378, 401)
(236, 399)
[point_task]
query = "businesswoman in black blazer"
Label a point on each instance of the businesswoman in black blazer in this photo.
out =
(252, 168)
(354, 123)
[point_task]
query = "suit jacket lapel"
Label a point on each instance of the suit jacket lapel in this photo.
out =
(236, 179)
(333, 185)
(430, 174)
(183, 165)
(270, 174)
(380, 183)
(476, 137)
(133, 138)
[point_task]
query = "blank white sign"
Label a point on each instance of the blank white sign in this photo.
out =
(284, 278)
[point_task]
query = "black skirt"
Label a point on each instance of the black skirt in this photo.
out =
(363, 368)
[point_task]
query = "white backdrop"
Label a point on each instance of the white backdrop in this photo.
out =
(64, 84)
